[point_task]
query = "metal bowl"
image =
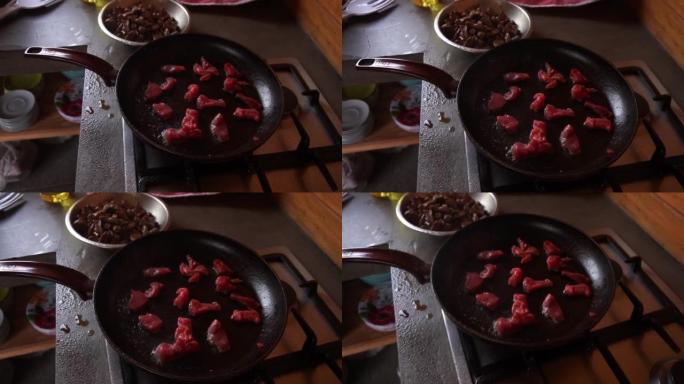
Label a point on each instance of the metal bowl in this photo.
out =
(175, 10)
(488, 201)
(148, 202)
(514, 12)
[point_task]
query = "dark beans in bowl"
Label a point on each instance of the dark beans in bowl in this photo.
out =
(441, 211)
(140, 22)
(113, 222)
(479, 27)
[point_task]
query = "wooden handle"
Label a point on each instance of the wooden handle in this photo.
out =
(93, 63)
(444, 81)
(391, 257)
(60, 274)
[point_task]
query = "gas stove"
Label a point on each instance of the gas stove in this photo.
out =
(642, 332)
(303, 154)
(653, 162)
(309, 349)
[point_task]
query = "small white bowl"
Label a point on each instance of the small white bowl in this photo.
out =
(357, 121)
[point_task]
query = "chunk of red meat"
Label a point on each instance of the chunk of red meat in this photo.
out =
(516, 276)
(205, 70)
(551, 77)
(487, 300)
(192, 92)
(519, 306)
(599, 109)
(156, 271)
(473, 281)
(152, 91)
(496, 102)
(576, 277)
(154, 290)
(598, 123)
(182, 298)
(538, 145)
(173, 69)
(577, 77)
(150, 322)
(580, 289)
(570, 141)
(520, 317)
(249, 101)
(551, 248)
(221, 268)
(538, 101)
(165, 352)
(224, 285)
(508, 123)
(184, 343)
(579, 92)
(245, 300)
(512, 93)
(247, 114)
(219, 128)
(246, 316)
(193, 269)
(196, 308)
(488, 271)
(555, 263)
(204, 102)
(168, 84)
(217, 336)
(531, 285)
(162, 110)
(524, 251)
(137, 300)
(553, 113)
(233, 85)
(490, 255)
(551, 309)
(230, 70)
(515, 77)
(189, 129)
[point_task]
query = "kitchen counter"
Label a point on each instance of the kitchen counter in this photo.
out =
(265, 26)
(34, 227)
(607, 27)
(423, 351)
(82, 359)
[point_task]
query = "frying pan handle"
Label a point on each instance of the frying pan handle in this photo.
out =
(94, 63)
(402, 260)
(434, 75)
(60, 274)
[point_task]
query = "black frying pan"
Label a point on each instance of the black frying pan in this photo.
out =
(458, 256)
(485, 75)
(186, 49)
(123, 271)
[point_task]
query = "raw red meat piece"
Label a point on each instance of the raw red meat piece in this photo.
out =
(598, 123)
(599, 109)
(246, 316)
(219, 128)
(531, 285)
(195, 277)
(551, 248)
(525, 251)
(154, 290)
(538, 101)
(246, 301)
(579, 92)
(519, 306)
(184, 343)
(173, 69)
(230, 70)
(576, 277)
(152, 91)
(247, 114)
(516, 76)
(168, 84)
(516, 276)
(217, 336)
(249, 101)
(162, 110)
(555, 263)
(551, 84)
(490, 255)
(538, 145)
(232, 85)
(552, 113)
(137, 300)
(156, 271)
(193, 269)
(473, 281)
(577, 77)
(221, 268)
(520, 317)
(192, 92)
(580, 289)
(224, 285)
(569, 141)
(496, 102)
(508, 123)
(512, 93)
(487, 300)
(551, 309)
(150, 322)
(189, 130)
(182, 297)
(205, 70)
(165, 352)
(550, 75)
(488, 271)
(204, 102)
(196, 308)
